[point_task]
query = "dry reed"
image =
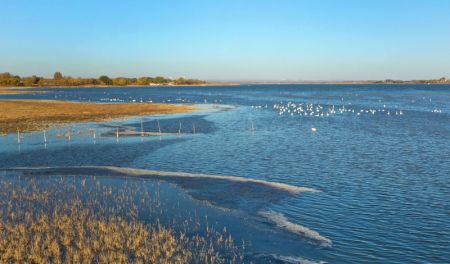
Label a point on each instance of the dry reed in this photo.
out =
(72, 220)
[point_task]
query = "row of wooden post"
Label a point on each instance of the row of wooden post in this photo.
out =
(19, 138)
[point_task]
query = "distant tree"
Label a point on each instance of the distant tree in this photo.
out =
(57, 76)
(92, 81)
(7, 79)
(5, 75)
(132, 81)
(143, 81)
(183, 81)
(30, 81)
(105, 80)
(120, 81)
(43, 82)
(34, 79)
(27, 81)
(161, 80)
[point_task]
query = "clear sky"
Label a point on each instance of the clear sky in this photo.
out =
(228, 40)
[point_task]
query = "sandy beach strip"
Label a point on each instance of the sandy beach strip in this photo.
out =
(14, 90)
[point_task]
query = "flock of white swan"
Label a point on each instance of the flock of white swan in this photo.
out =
(318, 110)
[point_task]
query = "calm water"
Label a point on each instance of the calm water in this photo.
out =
(379, 157)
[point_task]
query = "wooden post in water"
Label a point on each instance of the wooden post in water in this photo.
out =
(45, 140)
(18, 136)
(179, 129)
(159, 127)
(142, 129)
(117, 134)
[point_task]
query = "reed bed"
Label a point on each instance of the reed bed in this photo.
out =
(72, 220)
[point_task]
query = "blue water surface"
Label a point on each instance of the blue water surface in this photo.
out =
(378, 154)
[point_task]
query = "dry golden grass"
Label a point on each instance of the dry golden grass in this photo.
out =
(80, 237)
(73, 221)
(33, 115)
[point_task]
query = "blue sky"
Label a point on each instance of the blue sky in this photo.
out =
(228, 40)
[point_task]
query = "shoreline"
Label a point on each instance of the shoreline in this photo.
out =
(22, 89)
(13, 90)
(36, 115)
(8, 90)
(120, 86)
(341, 83)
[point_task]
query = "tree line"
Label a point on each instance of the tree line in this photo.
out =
(432, 81)
(8, 79)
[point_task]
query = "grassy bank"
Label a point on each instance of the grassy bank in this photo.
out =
(33, 115)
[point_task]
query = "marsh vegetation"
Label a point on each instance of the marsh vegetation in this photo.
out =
(88, 220)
